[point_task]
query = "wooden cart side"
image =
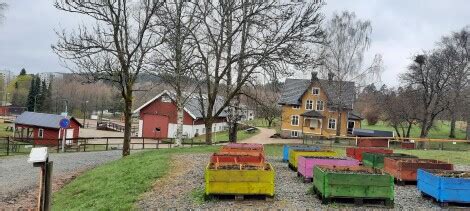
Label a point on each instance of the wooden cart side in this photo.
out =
(294, 155)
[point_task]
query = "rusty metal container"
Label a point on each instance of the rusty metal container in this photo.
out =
(356, 152)
(220, 159)
(404, 169)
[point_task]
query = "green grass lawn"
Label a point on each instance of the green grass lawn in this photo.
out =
(223, 136)
(117, 185)
(440, 131)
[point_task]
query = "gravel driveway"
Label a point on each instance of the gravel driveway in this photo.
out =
(17, 175)
(178, 190)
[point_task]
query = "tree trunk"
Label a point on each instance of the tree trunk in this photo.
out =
(179, 122)
(409, 130)
(208, 125)
(338, 123)
(236, 116)
(127, 123)
(453, 120)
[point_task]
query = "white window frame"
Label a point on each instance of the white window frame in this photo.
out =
(296, 107)
(292, 119)
(322, 105)
(313, 91)
(292, 132)
(41, 133)
(307, 104)
(336, 122)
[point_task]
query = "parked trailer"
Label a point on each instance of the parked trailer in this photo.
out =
(232, 180)
(404, 169)
(376, 160)
(286, 148)
(307, 164)
(294, 156)
(445, 186)
(355, 182)
(356, 152)
(220, 159)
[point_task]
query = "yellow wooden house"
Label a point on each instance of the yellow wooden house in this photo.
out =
(309, 107)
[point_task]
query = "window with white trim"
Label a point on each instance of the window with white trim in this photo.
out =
(332, 124)
(320, 106)
(296, 107)
(294, 120)
(41, 133)
(315, 91)
(309, 105)
(294, 133)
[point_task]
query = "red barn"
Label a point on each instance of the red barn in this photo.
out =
(44, 128)
(158, 117)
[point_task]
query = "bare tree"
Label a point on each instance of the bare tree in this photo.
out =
(399, 108)
(456, 53)
(239, 40)
(115, 49)
(430, 76)
(175, 58)
(347, 40)
(3, 7)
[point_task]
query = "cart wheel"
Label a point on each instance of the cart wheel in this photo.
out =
(443, 204)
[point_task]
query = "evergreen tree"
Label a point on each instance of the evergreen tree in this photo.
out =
(41, 99)
(23, 72)
(31, 95)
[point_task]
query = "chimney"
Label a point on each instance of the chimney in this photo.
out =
(330, 76)
(314, 76)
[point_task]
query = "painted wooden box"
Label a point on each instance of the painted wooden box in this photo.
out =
(356, 152)
(372, 142)
(286, 148)
(407, 145)
(231, 180)
(294, 156)
(241, 151)
(259, 147)
(307, 164)
(220, 159)
(353, 182)
(404, 169)
(376, 160)
(445, 186)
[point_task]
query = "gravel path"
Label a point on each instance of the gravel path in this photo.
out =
(184, 186)
(18, 176)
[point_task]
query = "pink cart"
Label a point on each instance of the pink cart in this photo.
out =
(306, 165)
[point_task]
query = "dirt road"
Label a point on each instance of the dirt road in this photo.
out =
(263, 137)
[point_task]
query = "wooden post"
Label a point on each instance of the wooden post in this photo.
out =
(8, 145)
(107, 143)
(143, 144)
(48, 186)
(158, 142)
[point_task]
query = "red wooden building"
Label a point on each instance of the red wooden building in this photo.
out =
(158, 117)
(44, 128)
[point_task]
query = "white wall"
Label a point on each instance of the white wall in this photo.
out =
(190, 130)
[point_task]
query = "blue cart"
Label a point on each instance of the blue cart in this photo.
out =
(285, 150)
(454, 187)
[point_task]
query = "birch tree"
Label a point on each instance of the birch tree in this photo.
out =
(348, 38)
(238, 40)
(115, 47)
(175, 58)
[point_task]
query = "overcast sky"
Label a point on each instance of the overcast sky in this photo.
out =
(401, 28)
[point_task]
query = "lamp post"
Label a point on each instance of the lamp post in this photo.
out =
(84, 113)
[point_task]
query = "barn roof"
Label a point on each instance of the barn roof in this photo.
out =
(42, 119)
(192, 106)
(294, 89)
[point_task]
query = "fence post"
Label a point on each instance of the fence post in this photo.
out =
(58, 145)
(8, 145)
(143, 143)
(192, 140)
(158, 142)
(107, 143)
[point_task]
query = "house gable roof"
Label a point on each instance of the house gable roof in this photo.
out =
(294, 89)
(42, 119)
(192, 106)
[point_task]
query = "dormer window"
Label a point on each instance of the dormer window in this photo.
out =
(316, 91)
